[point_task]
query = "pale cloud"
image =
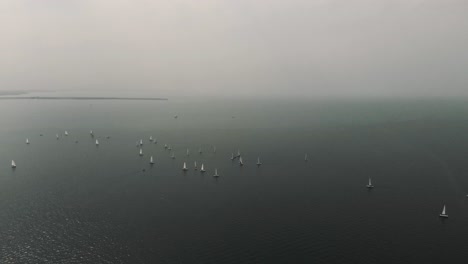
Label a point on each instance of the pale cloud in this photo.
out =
(245, 47)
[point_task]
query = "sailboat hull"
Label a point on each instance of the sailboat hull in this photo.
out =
(370, 186)
(443, 216)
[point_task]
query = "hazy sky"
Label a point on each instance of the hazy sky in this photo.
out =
(245, 47)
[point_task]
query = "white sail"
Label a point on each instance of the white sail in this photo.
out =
(216, 173)
(66, 133)
(151, 138)
(238, 153)
(151, 160)
(91, 132)
(443, 210)
(141, 152)
(97, 142)
(232, 156)
(202, 169)
(258, 161)
(185, 167)
(141, 142)
(13, 164)
(195, 164)
(240, 161)
(188, 152)
(370, 182)
(27, 141)
(57, 136)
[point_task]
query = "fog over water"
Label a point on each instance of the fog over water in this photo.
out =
(291, 48)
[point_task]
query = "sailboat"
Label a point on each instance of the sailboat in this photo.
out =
(13, 164)
(165, 146)
(258, 162)
(141, 142)
(151, 160)
(57, 136)
(141, 152)
(195, 165)
(97, 142)
(188, 153)
(238, 153)
(91, 133)
(27, 141)
(444, 214)
(241, 163)
(370, 186)
(202, 169)
(151, 138)
(66, 133)
(185, 167)
(216, 173)
(232, 156)
(305, 157)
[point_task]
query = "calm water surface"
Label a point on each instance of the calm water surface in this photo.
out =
(70, 202)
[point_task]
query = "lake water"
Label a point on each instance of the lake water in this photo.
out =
(70, 202)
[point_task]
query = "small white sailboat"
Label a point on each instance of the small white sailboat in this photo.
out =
(188, 152)
(151, 160)
(141, 152)
(97, 142)
(370, 186)
(57, 136)
(185, 167)
(172, 156)
(241, 163)
(232, 156)
(216, 173)
(27, 141)
(444, 214)
(66, 133)
(151, 138)
(141, 142)
(305, 157)
(202, 169)
(258, 161)
(195, 165)
(238, 153)
(91, 133)
(13, 164)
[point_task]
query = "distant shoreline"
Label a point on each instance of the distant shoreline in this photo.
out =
(82, 98)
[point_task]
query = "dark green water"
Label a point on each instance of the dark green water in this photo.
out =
(70, 202)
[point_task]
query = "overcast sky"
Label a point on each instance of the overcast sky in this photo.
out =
(244, 47)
